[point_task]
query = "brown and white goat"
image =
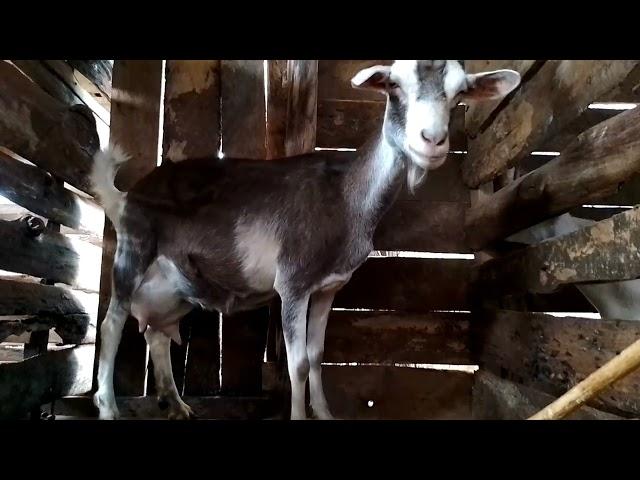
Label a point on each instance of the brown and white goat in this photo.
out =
(229, 234)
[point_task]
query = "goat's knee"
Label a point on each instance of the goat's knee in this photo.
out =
(300, 368)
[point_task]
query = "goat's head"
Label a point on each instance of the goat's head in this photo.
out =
(421, 95)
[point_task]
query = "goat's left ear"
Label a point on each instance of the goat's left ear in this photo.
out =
(372, 78)
(491, 85)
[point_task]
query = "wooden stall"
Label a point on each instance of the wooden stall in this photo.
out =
(567, 140)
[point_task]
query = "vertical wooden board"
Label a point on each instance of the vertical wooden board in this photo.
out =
(191, 109)
(397, 393)
(243, 109)
(202, 376)
(302, 107)
(244, 338)
(135, 116)
(192, 130)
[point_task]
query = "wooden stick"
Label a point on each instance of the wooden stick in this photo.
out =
(615, 369)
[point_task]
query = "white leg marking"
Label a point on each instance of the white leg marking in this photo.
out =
(318, 316)
(160, 349)
(110, 334)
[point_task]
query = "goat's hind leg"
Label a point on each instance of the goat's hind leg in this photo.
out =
(160, 350)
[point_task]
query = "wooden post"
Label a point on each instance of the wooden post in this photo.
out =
(612, 371)
(261, 119)
(192, 130)
(135, 116)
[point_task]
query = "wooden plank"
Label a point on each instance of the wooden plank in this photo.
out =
(348, 124)
(592, 167)
(538, 112)
(49, 255)
(34, 125)
(302, 110)
(33, 188)
(98, 71)
(495, 398)
(553, 354)
(23, 298)
(244, 338)
(206, 407)
(243, 109)
(334, 80)
(479, 115)
(135, 116)
(598, 253)
(380, 337)
(397, 393)
(74, 329)
(202, 376)
(191, 109)
(407, 284)
(192, 126)
(43, 378)
(41, 75)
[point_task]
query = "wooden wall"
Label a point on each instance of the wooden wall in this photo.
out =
(528, 357)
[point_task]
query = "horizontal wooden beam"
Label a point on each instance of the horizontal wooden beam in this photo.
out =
(24, 298)
(34, 125)
(98, 71)
(35, 190)
(495, 398)
(554, 354)
(389, 337)
(604, 252)
(548, 103)
(408, 284)
(29, 384)
(74, 328)
(481, 113)
(49, 255)
(592, 167)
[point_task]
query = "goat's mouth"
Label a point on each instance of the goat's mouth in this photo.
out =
(425, 161)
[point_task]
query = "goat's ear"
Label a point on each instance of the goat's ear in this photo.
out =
(372, 78)
(491, 85)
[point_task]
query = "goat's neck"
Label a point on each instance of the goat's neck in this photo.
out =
(375, 180)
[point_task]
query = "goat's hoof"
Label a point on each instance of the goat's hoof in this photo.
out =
(181, 411)
(108, 410)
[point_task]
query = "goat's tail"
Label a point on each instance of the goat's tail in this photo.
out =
(103, 175)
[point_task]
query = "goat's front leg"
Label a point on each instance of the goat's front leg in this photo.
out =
(160, 350)
(294, 327)
(318, 316)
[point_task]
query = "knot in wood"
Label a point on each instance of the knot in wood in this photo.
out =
(35, 225)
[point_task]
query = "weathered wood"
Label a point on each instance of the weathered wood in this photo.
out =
(348, 124)
(407, 284)
(479, 115)
(244, 339)
(334, 80)
(592, 167)
(135, 116)
(397, 393)
(553, 354)
(191, 109)
(35, 190)
(34, 125)
(41, 75)
(49, 255)
(43, 378)
(71, 328)
(206, 407)
(243, 109)
(202, 376)
(495, 398)
(382, 337)
(302, 107)
(602, 252)
(538, 112)
(98, 71)
(22, 298)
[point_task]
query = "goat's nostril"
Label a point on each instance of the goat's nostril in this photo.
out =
(425, 136)
(441, 142)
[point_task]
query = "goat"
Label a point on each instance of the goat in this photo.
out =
(613, 300)
(230, 234)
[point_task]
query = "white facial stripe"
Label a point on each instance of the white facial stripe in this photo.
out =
(454, 79)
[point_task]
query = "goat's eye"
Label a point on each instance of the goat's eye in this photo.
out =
(393, 85)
